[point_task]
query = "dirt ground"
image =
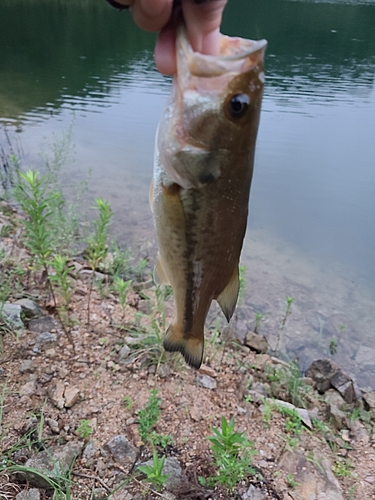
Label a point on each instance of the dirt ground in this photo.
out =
(109, 388)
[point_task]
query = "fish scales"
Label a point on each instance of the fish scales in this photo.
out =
(202, 175)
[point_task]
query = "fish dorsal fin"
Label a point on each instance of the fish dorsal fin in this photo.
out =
(228, 298)
(160, 276)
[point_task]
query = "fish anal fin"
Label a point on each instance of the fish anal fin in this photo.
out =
(228, 298)
(160, 276)
(191, 348)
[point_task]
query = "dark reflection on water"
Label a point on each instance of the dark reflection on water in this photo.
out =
(311, 231)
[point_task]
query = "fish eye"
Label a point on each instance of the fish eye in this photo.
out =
(238, 105)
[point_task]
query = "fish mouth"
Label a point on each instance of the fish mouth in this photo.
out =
(236, 55)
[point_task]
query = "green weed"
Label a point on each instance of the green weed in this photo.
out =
(342, 468)
(232, 453)
(149, 416)
(128, 402)
(122, 288)
(37, 202)
(289, 379)
(97, 243)
(333, 346)
(84, 429)
(258, 320)
(154, 473)
(291, 480)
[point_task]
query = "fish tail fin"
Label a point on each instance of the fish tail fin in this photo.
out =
(191, 348)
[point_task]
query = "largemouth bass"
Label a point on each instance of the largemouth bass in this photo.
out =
(202, 174)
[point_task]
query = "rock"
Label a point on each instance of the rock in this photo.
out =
(144, 306)
(302, 412)
(365, 356)
(56, 393)
(27, 366)
(205, 381)
(163, 370)
(256, 342)
(31, 494)
(369, 399)
(255, 397)
(89, 453)
(337, 416)
(120, 494)
(53, 463)
(11, 314)
(29, 388)
(260, 388)
(121, 449)
(46, 338)
(358, 432)
(322, 370)
(314, 477)
(332, 397)
(344, 385)
(53, 425)
(71, 396)
(207, 370)
(86, 275)
(43, 324)
(30, 308)
(254, 493)
(124, 352)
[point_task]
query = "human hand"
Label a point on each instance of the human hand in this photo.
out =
(202, 19)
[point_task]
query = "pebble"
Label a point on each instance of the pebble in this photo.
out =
(205, 381)
(27, 366)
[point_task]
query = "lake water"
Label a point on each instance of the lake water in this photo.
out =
(311, 230)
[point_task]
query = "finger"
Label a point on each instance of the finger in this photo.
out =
(152, 15)
(165, 51)
(203, 21)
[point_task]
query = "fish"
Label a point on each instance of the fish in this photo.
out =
(203, 165)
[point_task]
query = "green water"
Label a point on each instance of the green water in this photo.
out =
(312, 210)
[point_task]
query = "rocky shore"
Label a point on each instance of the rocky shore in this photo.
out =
(71, 406)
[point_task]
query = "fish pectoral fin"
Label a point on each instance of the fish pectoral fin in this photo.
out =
(160, 276)
(228, 298)
(191, 348)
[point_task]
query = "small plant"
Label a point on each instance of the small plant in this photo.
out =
(61, 278)
(140, 268)
(342, 468)
(289, 378)
(84, 429)
(149, 416)
(293, 421)
(360, 414)
(258, 320)
(233, 454)
(320, 426)
(97, 244)
(242, 280)
(154, 473)
(37, 202)
(128, 402)
(121, 287)
(291, 480)
(160, 440)
(288, 311)
(333, 346)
